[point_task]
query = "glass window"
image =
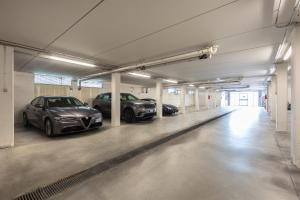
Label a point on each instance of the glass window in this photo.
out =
(128, 97)
(106, 97)
(41, 101)
(52, 79)
(63, 102)
(35, 101)
(92, 83)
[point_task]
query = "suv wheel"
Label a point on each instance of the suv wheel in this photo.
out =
(129, 116)
(48, 128)
(25, 120)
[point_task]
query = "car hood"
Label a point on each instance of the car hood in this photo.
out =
(142, 102)
(170, 106)
(73, 111)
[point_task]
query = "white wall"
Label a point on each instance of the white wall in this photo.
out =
(24, 93)
(6, 96)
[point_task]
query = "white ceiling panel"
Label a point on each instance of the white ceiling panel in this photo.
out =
(116, 23)
(36, 22)
(233, 19)
(252, 62)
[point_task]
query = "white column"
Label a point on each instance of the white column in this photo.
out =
(159, 97)
(74, 92)
(268, 103)
(115, 99)
(207, 101)
(182, 99)
(273, 98)
(282, 97)
(6, 96)
(295, 71)
(197, 104)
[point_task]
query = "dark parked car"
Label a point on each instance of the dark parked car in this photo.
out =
(132, 108)
(57, 115)
(168, 109)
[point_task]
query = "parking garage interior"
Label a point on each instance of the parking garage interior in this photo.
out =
(137, 99)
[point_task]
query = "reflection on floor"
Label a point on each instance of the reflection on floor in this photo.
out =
(233, 158)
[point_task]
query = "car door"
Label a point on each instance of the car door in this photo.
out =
(30, 110)
(106, 103)
(39, 112)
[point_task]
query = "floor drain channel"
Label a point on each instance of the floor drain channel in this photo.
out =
(59, 186)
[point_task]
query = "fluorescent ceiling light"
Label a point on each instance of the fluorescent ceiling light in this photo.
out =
(191, 85)
(288, 54)
(289, 67)
(76, 62)
(269, 78)
(278, 54)
(139, 75)
(170, 81)
(272, 70)
(202, 87)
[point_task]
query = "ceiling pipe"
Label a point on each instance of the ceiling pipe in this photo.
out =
(201, 54)
(213, 82)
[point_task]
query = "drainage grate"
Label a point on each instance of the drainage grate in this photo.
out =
(59, 186)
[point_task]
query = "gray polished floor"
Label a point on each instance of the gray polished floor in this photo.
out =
(36, 160)
(235, 157)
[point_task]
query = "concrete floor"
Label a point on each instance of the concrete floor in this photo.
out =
(234, 157)
(38, 160)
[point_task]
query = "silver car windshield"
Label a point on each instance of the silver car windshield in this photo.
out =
(63, 102)
(128, 97)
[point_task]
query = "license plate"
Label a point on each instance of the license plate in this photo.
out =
(98, 120)
(150, 110)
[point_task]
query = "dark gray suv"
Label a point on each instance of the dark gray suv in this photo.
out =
(132, 108)
(57, 115)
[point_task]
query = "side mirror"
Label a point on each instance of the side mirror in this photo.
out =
(85, 104)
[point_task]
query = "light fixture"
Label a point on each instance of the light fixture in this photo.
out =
(269, 78)
(288, 53)
(170, 81)
(191, 85)
(289, 68)
(272, 70)
(218, 79)
(278, 54)
(202, 87)
(76, 62)
(139, 75)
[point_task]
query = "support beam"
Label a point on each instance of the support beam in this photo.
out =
(182, 99)
(295, 81)
(159, 98)
(197, 103)
(6, 96)
(282, 97)
(268, 103)
(207, 99)
(273, 98)
(115, 99)
(74, 92)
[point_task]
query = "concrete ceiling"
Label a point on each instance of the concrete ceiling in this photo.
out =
(115, 33)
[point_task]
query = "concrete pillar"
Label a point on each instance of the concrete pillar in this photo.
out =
(282, 97)
(115, 99)
(295, 101)
(207, 99)
(159, 98)
(182, 99)
(268, 101)
(74, 92)
(273, 98)
(6, 96)
(197, 103)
